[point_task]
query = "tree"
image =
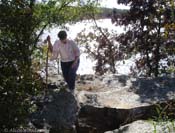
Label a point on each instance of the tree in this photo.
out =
(101, 46)
(146, 35)
(149, 34)
(22, 22)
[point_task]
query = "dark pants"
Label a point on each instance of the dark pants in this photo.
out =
(69, 73)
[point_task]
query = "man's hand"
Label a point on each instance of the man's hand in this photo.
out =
(48, 38)
(74, 64)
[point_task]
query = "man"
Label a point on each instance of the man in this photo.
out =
(69, 53)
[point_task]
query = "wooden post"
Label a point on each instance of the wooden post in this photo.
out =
(46, 70)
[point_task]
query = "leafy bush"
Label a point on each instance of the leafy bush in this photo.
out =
(17, 78)
(20, 21)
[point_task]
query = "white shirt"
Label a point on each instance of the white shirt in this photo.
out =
(68, 52)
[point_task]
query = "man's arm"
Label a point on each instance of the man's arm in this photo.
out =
(77, 54)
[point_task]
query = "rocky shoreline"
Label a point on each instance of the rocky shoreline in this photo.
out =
(109, 103)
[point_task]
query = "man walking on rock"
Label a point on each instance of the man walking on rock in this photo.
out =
(69, 53)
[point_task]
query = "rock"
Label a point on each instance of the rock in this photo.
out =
(122, 100)
(123, 92)
(86, 77)
(113, 80)
(59, 112)
(100, 119)
(108, 102)
(141, 126)
(154, 90)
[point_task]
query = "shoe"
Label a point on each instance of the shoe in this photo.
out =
(69, 90)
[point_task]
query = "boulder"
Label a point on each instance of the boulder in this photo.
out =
(141, 126)
(117, 100)
(57, 112)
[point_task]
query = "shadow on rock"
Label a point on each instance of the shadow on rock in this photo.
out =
(58, 112)
(157, 89)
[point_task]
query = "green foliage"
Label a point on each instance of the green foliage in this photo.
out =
(164, 117)
(21, 24)
(17, 81)
(55, 12)
(39, 57)
(167, 126)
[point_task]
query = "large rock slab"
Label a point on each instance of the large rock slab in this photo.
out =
(113, 101)
(125, 92)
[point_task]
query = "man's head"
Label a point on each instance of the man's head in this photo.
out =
(62, 36)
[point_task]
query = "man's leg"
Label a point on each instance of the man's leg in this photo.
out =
(72, 77)
(65, 71)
